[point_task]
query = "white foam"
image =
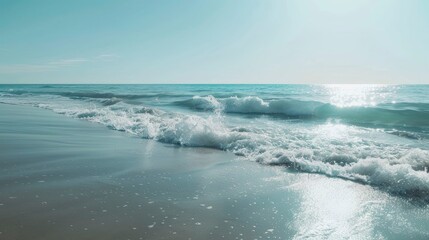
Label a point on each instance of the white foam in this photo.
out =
(331, 149)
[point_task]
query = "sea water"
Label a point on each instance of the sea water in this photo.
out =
(371, 134)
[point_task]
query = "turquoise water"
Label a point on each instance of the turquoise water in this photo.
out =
(372, 134)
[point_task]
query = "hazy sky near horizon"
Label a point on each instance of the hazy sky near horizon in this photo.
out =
(214, 41)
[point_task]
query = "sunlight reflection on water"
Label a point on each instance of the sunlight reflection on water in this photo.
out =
(334, 211)
(362, 95)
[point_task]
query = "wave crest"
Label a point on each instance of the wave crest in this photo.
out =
(397, 169)
(253, 105)
(403, 172)
(290, 108)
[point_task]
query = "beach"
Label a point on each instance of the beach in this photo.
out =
(63, 178)
(128, 120)
(123, 120)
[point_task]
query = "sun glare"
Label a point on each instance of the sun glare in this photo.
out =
(352, 95)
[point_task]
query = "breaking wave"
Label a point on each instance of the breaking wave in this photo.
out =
(404, 114)
(398, 169)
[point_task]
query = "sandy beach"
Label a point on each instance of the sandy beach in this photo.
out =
(211, 120)
(63, 178)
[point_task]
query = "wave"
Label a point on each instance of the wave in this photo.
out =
(108, 95)
(376, 115)
(90, 94)
(253, 105)
(405, 134)
(404, 114)
(397, 169)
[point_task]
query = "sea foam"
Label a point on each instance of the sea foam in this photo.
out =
(399, 171)
(331, 149)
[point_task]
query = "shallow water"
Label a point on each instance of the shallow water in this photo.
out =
(61, 178)
(371, 134)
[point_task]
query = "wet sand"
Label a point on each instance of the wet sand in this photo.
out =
(63, 178)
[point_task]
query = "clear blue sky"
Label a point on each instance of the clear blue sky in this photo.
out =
(214, 41)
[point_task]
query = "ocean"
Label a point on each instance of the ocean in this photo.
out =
(376, 135)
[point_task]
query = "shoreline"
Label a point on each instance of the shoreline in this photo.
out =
(66, 178)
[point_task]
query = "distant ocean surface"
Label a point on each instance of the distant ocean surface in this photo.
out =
(372, 134)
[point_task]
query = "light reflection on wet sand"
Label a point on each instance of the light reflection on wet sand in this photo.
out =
(68, 179)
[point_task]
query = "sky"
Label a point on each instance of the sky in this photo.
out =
(214, 41)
